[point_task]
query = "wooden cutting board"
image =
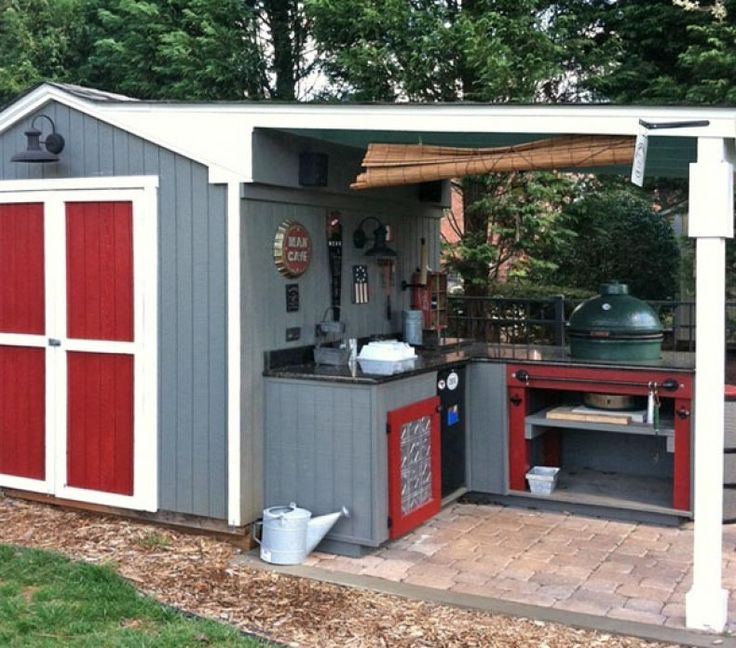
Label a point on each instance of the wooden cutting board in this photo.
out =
(566, 414)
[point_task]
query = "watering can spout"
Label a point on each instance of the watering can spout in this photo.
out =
(320, 526)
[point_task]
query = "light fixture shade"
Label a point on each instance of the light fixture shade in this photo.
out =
(35, 153)
(380, 249)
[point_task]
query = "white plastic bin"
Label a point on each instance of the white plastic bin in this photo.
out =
(386, 357)
(542, 479)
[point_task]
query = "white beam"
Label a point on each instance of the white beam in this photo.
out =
(711, 221)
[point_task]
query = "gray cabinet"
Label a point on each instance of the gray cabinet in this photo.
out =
(326, 447)
(487, 428)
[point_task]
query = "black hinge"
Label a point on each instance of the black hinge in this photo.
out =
(388, 428)
(389, 522)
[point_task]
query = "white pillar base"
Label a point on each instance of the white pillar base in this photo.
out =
(706, 608)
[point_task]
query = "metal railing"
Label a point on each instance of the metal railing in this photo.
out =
(542, 320)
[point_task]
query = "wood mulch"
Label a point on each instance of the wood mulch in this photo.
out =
(194, 573)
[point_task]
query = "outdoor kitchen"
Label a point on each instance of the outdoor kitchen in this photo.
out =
(603, 426)
(286, 337)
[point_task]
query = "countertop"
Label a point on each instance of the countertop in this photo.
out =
(459, 352)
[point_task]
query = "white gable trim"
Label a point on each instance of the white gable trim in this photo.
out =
(45, 94)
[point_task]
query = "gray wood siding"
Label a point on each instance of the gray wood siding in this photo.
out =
(264, 316)
(325, 447)
(192, 297)
(487, 428)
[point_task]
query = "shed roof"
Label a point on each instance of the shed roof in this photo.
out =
(219, 134)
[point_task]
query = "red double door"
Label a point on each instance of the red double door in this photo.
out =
(67, 348)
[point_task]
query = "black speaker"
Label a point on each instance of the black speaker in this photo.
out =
(430, 191)
(312, 169)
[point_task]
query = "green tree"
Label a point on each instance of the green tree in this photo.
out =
(177, 49)
(436, 50)
(655, 52)
(198, 49)
(512, 220)
(158, 49)
(617, 235)
(39, 41)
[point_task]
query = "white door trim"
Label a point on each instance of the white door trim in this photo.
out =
(141, 191)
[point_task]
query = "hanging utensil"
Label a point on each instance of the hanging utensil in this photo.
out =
(423, 261)
(653, 405)
(334, 251)
(387, 267)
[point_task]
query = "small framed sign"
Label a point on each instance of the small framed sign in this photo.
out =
(292, 249)
(292, 298)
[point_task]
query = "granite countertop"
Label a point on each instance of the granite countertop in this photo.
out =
(460, 352)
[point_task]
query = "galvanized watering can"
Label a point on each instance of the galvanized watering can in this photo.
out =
(290, 534)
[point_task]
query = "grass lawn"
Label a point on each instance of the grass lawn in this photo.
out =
(47, 600)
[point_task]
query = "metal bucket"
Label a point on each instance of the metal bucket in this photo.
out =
(284, 534)
(412, 321)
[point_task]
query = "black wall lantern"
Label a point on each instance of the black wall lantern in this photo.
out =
(34, 153)
(379, 249)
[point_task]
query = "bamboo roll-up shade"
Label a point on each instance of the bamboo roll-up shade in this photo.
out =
(388, 165)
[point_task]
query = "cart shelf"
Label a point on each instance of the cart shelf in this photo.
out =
(535, 424)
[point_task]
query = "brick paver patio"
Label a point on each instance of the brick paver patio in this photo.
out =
(636, 572)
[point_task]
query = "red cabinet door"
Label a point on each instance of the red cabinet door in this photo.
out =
(414, 464)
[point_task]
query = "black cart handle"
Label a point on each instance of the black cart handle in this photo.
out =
(669, 384)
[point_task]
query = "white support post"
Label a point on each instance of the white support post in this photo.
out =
(710, 223)
(234, 495)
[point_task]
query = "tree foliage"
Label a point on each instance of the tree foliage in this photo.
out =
(656, 52)
(158, 49)
(617, 235)
(180, 49)
(513, 221)
(197, 49)
(39, 41)
(435, 50)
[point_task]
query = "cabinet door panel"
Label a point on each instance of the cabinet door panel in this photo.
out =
(22, 412)
(414, 465)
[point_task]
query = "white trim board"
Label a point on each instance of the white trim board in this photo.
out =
(44, 94)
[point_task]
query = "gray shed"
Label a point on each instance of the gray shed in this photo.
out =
(205, 285)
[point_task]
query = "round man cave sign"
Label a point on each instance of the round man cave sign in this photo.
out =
(292, 249)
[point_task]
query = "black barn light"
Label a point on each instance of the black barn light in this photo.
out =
(35, 153)
(379, 249)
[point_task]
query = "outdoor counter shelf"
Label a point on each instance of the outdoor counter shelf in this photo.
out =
(456, 354)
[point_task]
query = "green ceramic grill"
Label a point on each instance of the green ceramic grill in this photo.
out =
(615, 326)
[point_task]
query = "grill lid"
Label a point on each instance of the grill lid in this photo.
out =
(614, 314)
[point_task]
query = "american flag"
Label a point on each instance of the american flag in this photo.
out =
(360, 284)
